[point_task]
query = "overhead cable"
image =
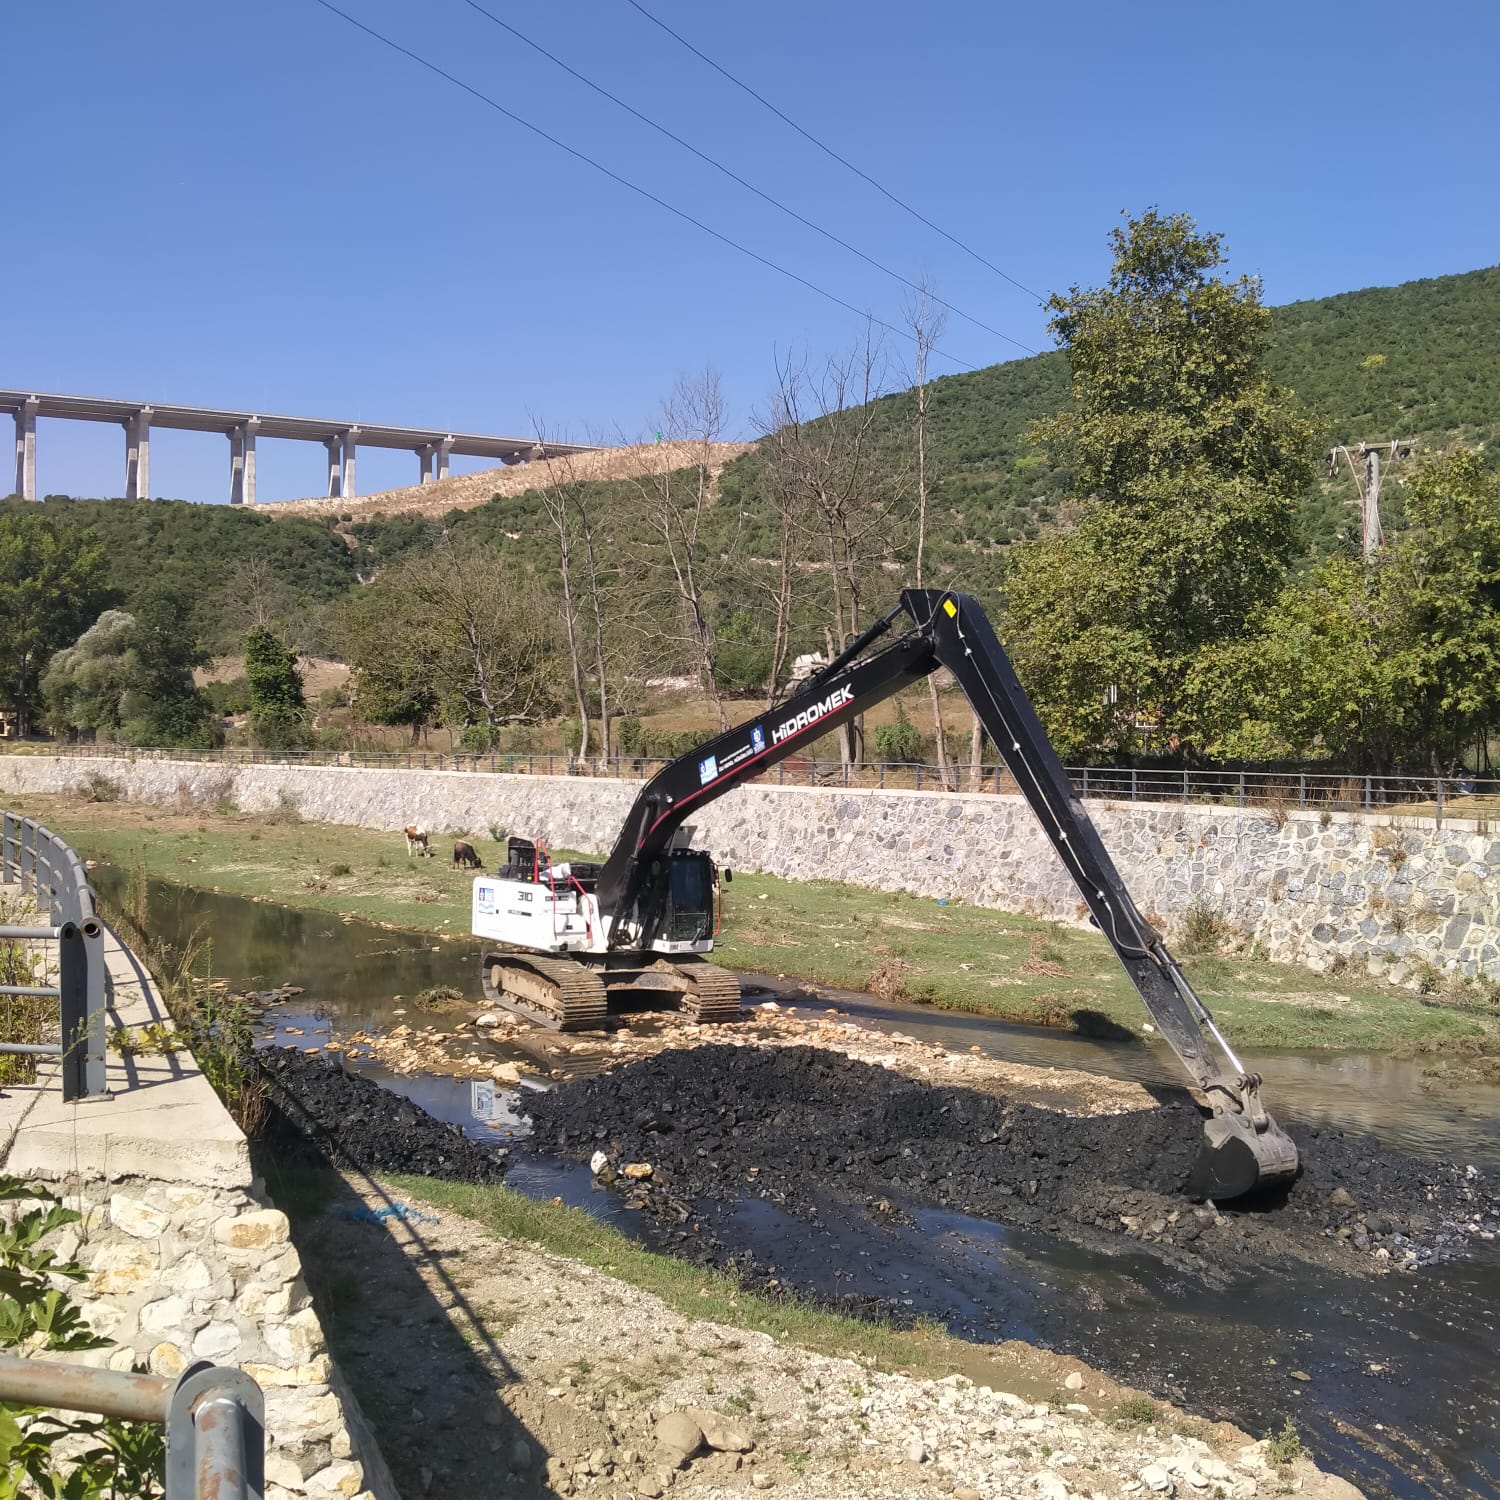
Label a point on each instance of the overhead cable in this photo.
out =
(625, 182)
(734, 176)
(828, 150)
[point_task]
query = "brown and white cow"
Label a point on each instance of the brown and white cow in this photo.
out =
(417, 840)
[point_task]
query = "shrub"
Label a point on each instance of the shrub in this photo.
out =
(38, 1317)
(97, 787)
(898, 743)
(1284, 1447)
(1138, 1411)
(288, 808)
(1203, 929)
(478, 739)
(335, 871)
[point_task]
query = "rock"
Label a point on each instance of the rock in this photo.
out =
(136, 1219)
(258, 1230)
(720, 1433)
(506, 1072)
(1074, 1382)
(679, 1437)
(1339, 1198)
(1049, 1486)
(963, 1492)
(1155, 1477)
(760, 1480)
(916, 1450)
(598, 1162)
(487, 1018)
(637, 1171)
(520, 1455)
(649, 1486)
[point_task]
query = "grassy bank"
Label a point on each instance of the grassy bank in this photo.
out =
(993, 963)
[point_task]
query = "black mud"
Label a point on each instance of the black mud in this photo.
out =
(357, 1123)
(797, 1126)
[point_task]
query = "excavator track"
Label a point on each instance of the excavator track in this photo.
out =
(554, 992)
(711, 995)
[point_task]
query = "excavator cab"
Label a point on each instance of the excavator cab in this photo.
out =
(677, 901)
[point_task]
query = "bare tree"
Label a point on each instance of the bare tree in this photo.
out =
(926, 321)
(562, 499)
(674, 503)
(846, 494)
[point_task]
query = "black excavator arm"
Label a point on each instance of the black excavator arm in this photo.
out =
(1245, 1148)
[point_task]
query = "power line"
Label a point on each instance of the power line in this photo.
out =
(625, 182)
(734, 176)
(829, 151)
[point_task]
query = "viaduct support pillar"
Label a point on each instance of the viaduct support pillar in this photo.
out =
(444, 448)
(335, 479)
(138, 455)
(351, 439)
(236, 465)
(424, 459)
(250, 429)
(26, 449)
(242, 462)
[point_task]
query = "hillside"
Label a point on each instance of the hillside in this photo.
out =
(1413, 361)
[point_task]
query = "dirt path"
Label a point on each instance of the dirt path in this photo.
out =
(490, 1367)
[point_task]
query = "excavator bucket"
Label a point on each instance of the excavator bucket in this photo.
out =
(1241, 1155)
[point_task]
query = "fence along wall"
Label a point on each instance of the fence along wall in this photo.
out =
(1394, 896)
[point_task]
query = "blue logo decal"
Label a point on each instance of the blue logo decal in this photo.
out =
(757, 739)
(707, 770)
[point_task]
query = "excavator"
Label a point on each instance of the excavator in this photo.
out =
(572, 937)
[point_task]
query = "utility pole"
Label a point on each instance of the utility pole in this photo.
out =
(1372, 534)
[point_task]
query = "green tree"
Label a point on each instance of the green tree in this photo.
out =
(1381, 663)
(1190, 462)
(163, 706)
(278, 711)
(85, 683)
(51, 587)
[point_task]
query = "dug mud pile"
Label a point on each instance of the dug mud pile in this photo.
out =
(356, 1123)
(799, 1126)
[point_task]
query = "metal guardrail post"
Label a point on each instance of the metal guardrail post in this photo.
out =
(216, 1437)
(215, 1417)
(1440, 802)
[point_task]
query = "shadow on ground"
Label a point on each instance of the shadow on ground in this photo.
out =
(426, 1369)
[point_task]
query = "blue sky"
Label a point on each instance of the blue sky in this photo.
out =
(259, 207)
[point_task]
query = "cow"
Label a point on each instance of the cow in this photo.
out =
(464, 857)
(417, 841)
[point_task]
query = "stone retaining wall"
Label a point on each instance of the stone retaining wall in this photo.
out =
(185, 1258)
(1396, 897)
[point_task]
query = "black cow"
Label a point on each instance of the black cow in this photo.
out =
(465, 858)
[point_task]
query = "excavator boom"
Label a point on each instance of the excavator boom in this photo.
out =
(1244, 1147)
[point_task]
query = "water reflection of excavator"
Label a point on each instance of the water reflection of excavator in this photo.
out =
(576, 935)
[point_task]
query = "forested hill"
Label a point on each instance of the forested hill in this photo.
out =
(1414, 361)
(1420, 361)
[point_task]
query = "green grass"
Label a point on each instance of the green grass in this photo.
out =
(964, 958)
(925, 1350)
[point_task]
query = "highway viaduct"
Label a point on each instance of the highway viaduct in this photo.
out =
(341, 440)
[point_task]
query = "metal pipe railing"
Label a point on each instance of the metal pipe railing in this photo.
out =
(1304, 790)
(52, 875)
(214, 1416)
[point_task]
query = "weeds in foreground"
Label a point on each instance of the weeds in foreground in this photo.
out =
(1284, 1447)
(104, 1458)
(218, 1028)
(1136, 1411)
(438, 997)
(30, 1019)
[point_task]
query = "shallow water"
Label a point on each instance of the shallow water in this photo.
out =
(1403, 1371)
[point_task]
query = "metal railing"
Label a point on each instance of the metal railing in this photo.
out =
(215, 1418)
(1302, 790)
(52, 875)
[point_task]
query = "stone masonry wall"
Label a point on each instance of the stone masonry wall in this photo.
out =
(179, 1273)
(1396, 897)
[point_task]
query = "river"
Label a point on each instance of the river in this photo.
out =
(1403, 1388)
